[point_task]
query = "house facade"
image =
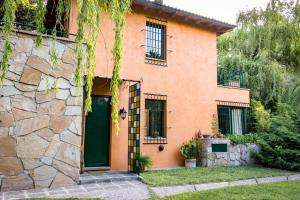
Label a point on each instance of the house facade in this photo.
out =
(169, 70)
(170, 92)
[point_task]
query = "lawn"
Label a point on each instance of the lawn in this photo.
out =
(206, 175)
(289, 190)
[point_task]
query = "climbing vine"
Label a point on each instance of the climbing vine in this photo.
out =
(86, 39)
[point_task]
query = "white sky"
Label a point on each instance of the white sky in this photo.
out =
(224, 10)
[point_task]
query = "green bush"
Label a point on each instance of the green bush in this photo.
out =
(261, 116)
(190, 149)
(280, 146)
(145, 162)
(243, 139)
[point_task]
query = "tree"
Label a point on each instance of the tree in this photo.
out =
(265, 46)
(88, 29)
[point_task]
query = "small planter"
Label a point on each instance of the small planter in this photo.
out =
(191, 163)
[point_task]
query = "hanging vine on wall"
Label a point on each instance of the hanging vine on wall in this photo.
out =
(88, 29)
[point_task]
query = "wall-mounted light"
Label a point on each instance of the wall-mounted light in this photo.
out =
(123, 113)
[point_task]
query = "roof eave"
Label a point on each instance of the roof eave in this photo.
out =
(171, 13)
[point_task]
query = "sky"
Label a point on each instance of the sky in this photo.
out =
(224, 10)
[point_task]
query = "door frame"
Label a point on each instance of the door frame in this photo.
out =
(82, 167)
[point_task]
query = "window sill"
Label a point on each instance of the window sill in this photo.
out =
(155, 61)
(155, 140)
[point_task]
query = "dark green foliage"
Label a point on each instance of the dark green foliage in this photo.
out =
(190, 149)
(281, 145)
(243, 139)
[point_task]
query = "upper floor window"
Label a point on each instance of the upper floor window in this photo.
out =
(155, 41)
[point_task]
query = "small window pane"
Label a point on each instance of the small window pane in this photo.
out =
(155, 39)
(155, 113)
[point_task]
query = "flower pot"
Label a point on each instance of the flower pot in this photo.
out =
(190, 162)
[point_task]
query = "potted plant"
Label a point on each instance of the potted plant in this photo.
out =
(190, 151)
(145, 162)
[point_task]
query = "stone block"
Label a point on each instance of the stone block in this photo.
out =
(43, 176)
(62, 94)
(69, 56)
(62, 180)
(59, 123)
(5, 104)
(24, 45)
(69, 137)
(42, 97)
(63, 70)
(73, 110)
(9, 91)
(59, 47)
(45, 133)
(24, 87)
(63, 83)
(75, 101)
(30, 164)
(7, 146)
(46, 83)
(23, 103)
(10, 166)
(31, 76)
(76, 91)
(40, 64)
(53, 147)
(31, 146)
(26, 126)
(69, 154)
(22, 114)
(68, 170)
(42, 52)
(4, 131)
(6, 119)
(168, 191)
(20, 182)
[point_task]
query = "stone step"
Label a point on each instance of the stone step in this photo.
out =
(91, 178)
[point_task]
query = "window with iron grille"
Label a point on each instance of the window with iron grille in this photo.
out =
(155, 41)
(155, 120)
(232, 120)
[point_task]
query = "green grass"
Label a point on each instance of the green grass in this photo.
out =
(206, 175)
(288, 190)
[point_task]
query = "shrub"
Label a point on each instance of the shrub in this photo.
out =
(190, 149)
(261, 116)
(280, 147)
(243, 139)
(145, 162)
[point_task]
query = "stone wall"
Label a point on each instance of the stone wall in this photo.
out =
(236, 155)
(40, 133)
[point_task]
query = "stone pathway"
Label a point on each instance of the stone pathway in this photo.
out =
(88, 178)
(173, 190)
(129, 189)
(125, 190)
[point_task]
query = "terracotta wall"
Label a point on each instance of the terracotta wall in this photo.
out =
(231, 94)
(189, 81)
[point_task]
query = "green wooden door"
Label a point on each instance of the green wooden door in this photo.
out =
(97, 131)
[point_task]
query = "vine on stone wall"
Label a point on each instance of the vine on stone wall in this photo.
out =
(88, 29)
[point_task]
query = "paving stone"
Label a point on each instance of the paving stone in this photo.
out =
(209, 186)
(167, 191)
(294, 177)
(271, 179)
(243, 182)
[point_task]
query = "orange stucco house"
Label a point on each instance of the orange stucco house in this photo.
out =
(170, 89)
